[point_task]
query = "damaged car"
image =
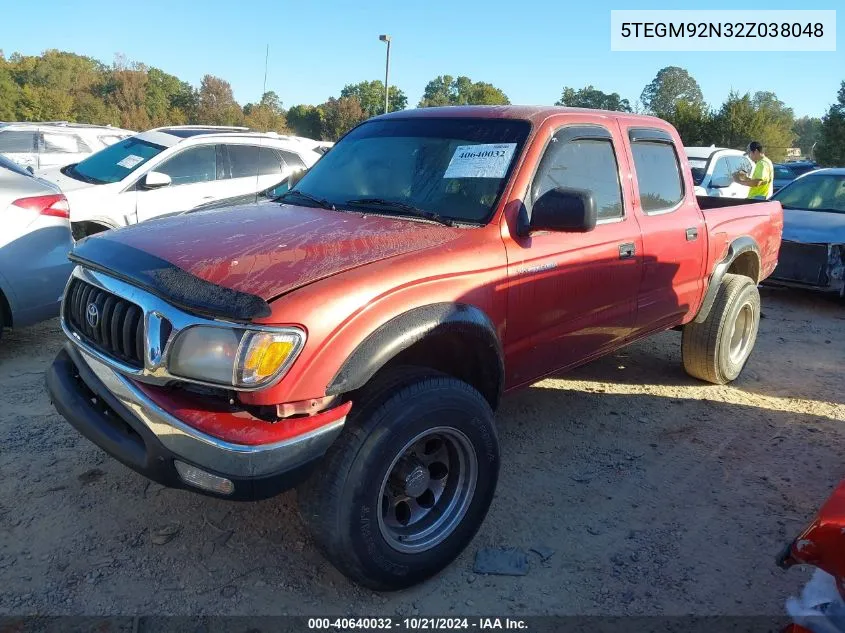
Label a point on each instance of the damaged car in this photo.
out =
(820, 608)
(812, 254)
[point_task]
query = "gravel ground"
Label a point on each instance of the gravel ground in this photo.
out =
(657, 493)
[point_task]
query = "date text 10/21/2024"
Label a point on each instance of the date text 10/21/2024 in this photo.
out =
(417, 624)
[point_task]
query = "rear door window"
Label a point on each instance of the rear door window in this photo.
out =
(192, 165)
(13, 142)
(63, 144)
(740, 163)
(658, 175)
(292, 160)
(247, 161)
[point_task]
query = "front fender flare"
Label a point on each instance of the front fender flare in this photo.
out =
(468, 322)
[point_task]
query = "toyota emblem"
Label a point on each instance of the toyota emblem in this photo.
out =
(92, 314)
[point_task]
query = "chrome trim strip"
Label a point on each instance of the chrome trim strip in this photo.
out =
(155, 354)
(237, 460)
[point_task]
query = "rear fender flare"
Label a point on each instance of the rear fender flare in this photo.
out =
(740, 245)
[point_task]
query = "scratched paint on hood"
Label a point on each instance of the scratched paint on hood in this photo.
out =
(271, 249)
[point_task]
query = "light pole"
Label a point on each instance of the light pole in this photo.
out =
(386, 38)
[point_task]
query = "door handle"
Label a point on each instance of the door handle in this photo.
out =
(627, 250)
(692, 234)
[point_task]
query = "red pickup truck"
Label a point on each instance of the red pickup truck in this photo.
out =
(353, 338)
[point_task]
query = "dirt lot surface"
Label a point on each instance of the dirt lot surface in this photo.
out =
(658, 494)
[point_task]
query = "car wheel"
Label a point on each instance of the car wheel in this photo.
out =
(407, 484)
(717, 349)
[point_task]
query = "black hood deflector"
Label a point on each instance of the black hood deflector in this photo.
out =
(167, 281)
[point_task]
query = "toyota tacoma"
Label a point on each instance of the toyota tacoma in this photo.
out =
(353, 337)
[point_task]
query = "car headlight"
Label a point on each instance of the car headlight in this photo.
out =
(232, 357)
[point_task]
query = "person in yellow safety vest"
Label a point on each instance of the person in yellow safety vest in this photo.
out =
(762, 180)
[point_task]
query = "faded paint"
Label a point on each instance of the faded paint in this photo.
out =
(272, 248)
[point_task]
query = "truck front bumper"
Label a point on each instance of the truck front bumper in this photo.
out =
(111, 411)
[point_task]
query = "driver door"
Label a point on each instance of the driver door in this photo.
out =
(573, 296)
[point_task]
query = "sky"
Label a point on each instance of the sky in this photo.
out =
(530, 49)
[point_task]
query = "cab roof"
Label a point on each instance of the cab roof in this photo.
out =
(535, 114)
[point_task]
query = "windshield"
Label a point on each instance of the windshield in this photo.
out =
(801, 169)
(698, 167)
(115, 162)
(455, 168)
(815, 193)
(13, 166)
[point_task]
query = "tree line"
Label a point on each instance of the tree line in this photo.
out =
(58, 85)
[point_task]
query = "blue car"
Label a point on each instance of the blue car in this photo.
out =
(812, 254)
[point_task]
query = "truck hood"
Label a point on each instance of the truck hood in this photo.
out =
(264, 250)
(813, 227)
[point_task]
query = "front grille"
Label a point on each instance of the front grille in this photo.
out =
(804, 263)
(118, 330)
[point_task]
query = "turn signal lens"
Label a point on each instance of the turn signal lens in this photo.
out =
(265, 355)
(202, 479)
(233, 356)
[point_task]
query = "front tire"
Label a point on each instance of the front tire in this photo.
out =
(408, 483)
(717, 349)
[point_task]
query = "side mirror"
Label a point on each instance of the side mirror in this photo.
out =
(295, 177)
(720, 182)
(30, 169)
(155, 180)
(564, 209)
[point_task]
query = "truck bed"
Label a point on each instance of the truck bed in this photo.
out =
(761, 220)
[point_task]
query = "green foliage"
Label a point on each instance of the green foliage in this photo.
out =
(808, 132)
(446, 90)
(589, 97)
(38, 103)
(216, 103)
(831, 148)
(267, 115)
(339, 116)
(58, 85)
(671, 85)
(370, 94)
(168, 99)
(9, 92)
(761, 117)
(694, 123)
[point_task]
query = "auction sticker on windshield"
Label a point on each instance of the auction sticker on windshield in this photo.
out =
(130, 161)
(487, 160)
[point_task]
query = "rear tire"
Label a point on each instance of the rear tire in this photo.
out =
(408, 483)
(717, 349)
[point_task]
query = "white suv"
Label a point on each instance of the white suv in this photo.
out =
(174, 169)
(713, 169)
(55, 144)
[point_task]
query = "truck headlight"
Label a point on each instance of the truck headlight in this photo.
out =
(232, 357)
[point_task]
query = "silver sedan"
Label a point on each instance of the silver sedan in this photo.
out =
(34, 243)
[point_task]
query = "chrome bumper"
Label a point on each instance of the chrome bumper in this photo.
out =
(236, 460)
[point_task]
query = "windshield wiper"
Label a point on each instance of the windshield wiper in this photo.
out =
(73, 172)
(402, 206)
(322, 202)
